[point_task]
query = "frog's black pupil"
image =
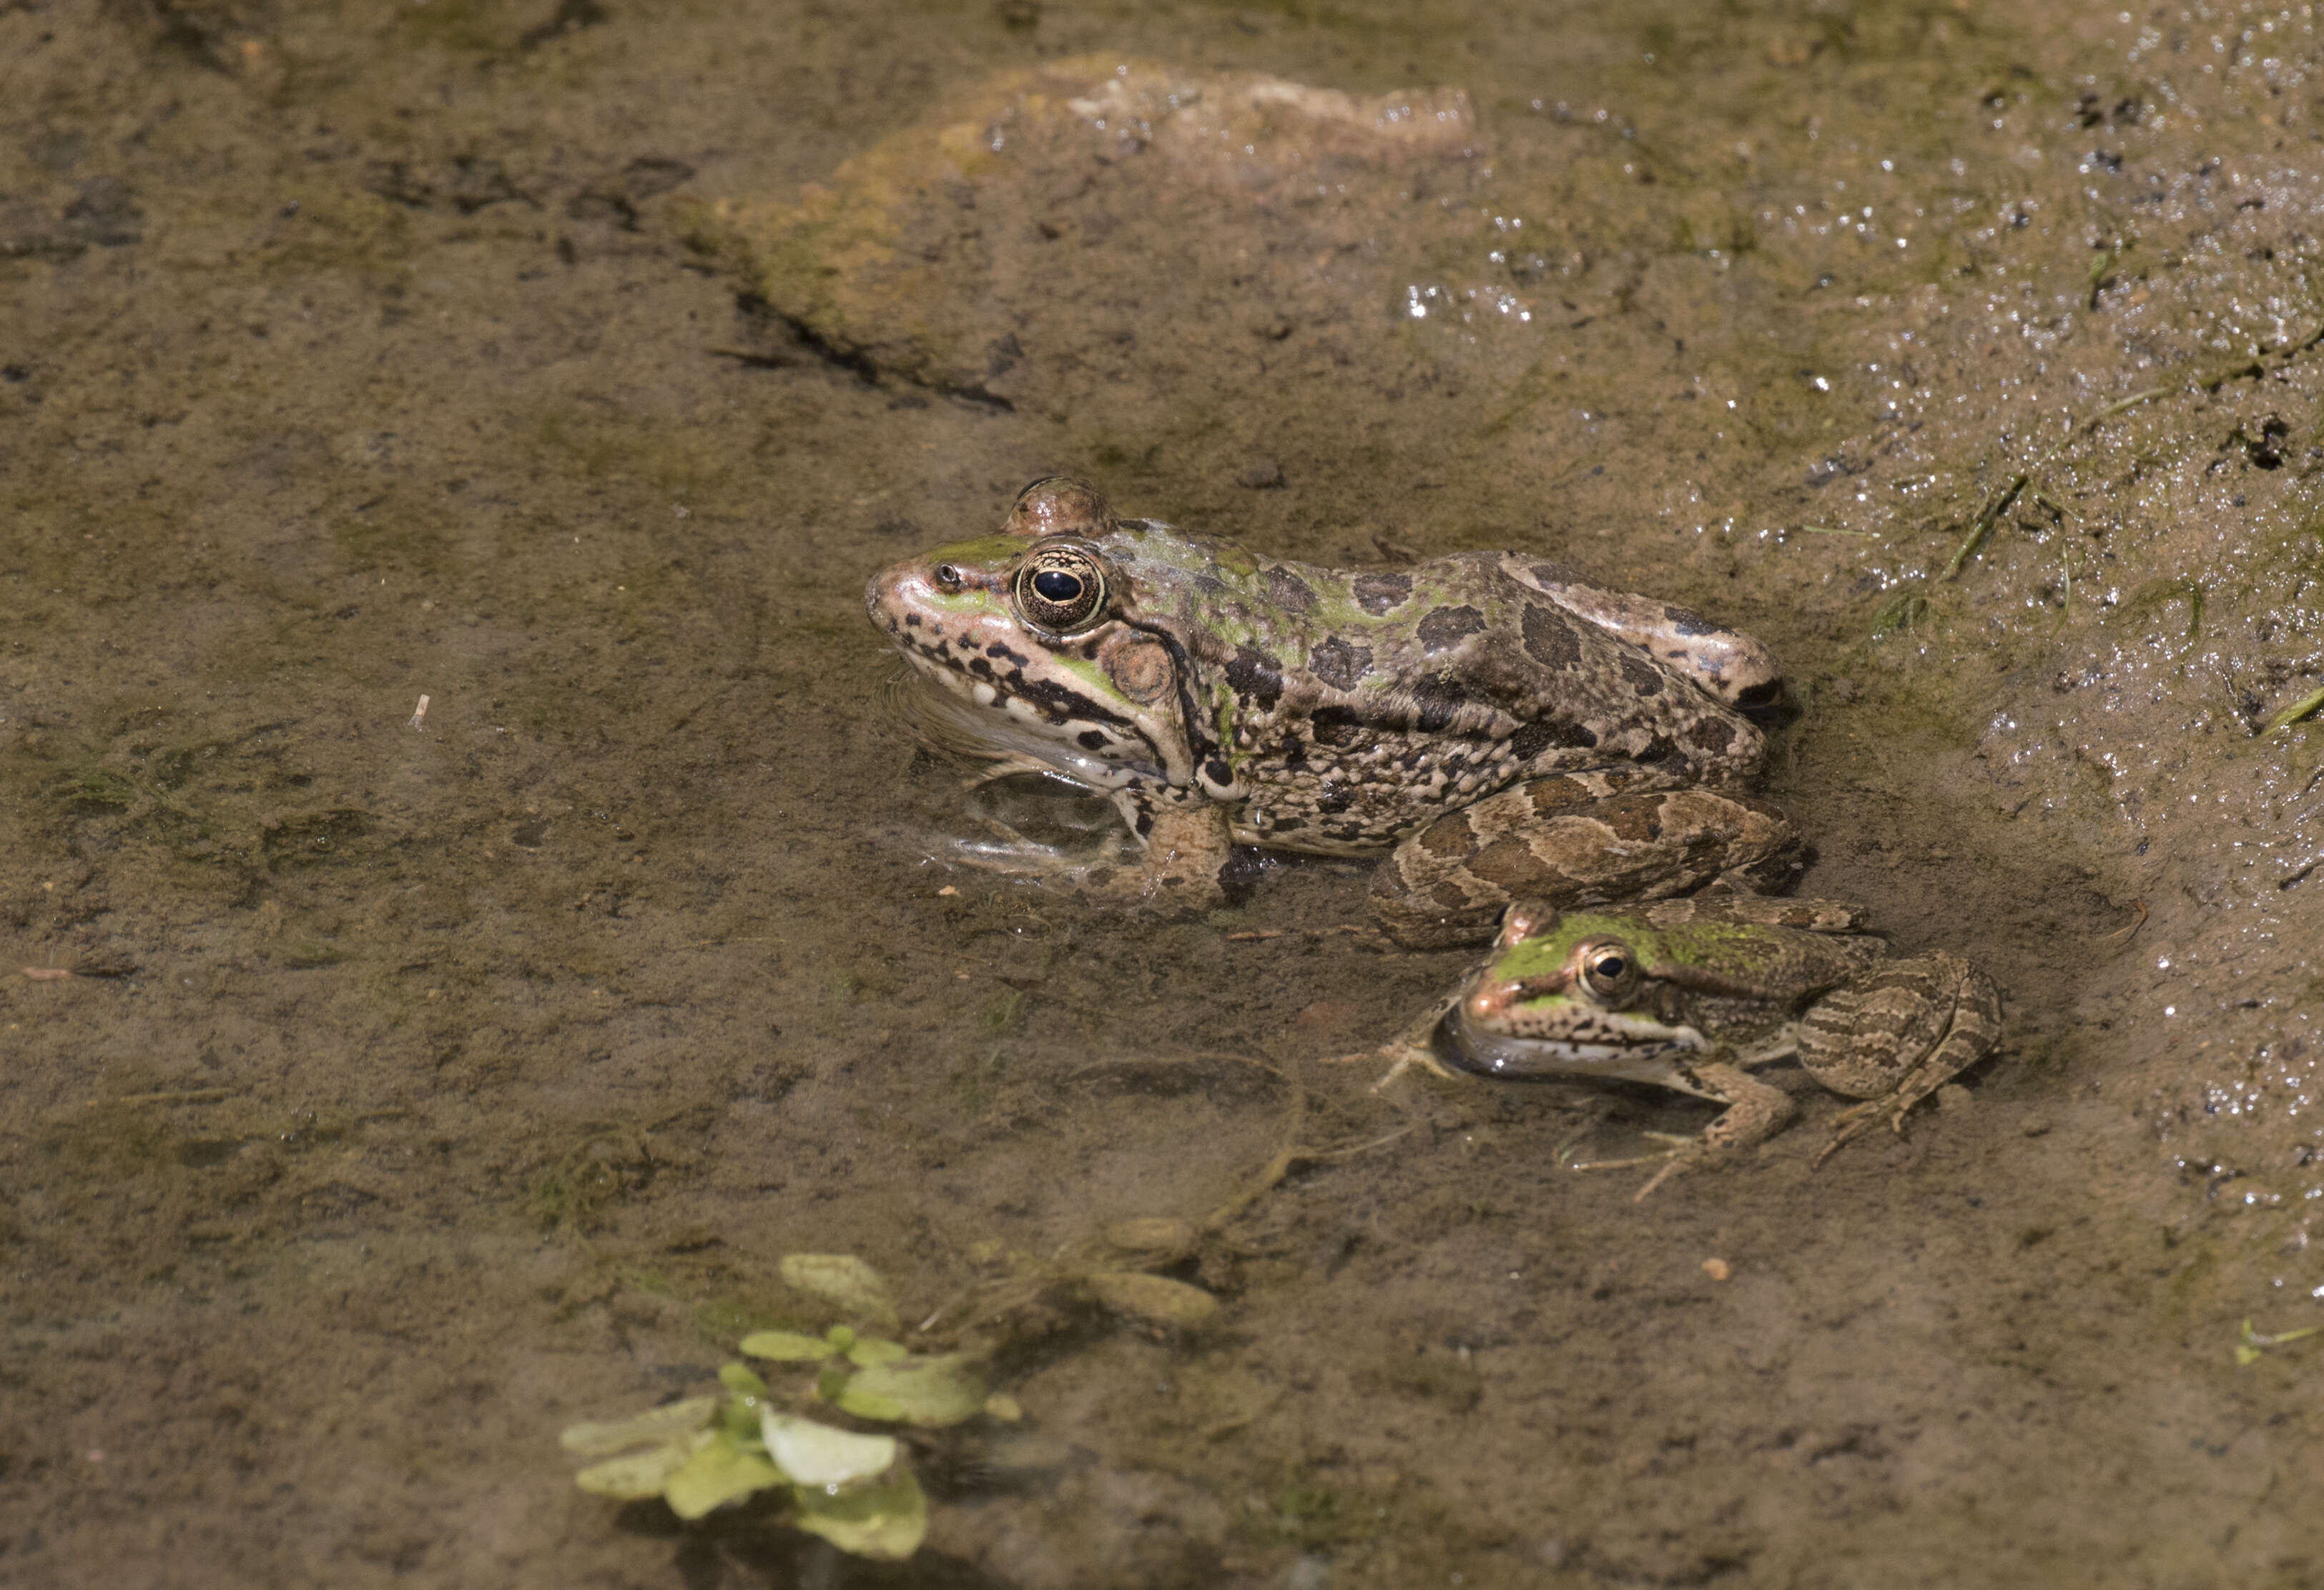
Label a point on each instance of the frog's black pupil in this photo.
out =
(1612, 967)
(1055, 584)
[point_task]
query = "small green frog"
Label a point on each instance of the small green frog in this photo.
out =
(1690, 993)
(1495, 725)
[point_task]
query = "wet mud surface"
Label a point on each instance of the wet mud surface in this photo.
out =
(419, 1087)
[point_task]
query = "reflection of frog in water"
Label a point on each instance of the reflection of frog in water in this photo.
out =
(1689, 993)
(1504, 729)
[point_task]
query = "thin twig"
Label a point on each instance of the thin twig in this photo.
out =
(1999, 504)
(2122, 935)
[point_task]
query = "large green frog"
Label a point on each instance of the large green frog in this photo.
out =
(1690, 993)
(1505, 728)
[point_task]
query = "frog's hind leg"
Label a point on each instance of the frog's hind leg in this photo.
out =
(1929, 1019)
(1573, 840)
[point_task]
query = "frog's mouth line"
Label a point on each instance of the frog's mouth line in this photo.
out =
(930, 704)
(1624, 1048)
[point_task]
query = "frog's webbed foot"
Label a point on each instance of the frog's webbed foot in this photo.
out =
(1754, 1113)
(1168, 859)
(1414, 1049)
(1937, 1010)
(1682, 1153)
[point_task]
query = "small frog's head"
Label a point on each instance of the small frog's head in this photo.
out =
(1027, 637)
(1577, 993)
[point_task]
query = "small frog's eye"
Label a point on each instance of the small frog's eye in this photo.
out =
(1608, 970)
(1060, 589)
(947, 577)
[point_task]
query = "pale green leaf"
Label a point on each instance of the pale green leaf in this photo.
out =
(887, 1520)
(939, 1390)
(742, 1380)
(721, 1471)
(659, 1424)
(637, 1476)
(818, 1455)
(786, 1345)
(847, 1284)
(871, 1350)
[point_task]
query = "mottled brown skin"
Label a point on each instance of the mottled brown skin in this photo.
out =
(1220, 697)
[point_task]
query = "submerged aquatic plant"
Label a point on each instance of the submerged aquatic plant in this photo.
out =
(2254, 1344)
(854, 1488)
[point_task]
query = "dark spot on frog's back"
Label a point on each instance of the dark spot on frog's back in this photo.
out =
(1334, 726)
(1436, 700)
(1543, 733)
(1288, 591)
(1713, 735)
(1339, 665)
(1641, 675)
(1687, 621)
(1448, 627)
(1255, 674)
(1377, 593)
(1549, 639)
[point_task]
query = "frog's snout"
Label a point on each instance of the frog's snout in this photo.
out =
(1488, 1000)
(887, 595)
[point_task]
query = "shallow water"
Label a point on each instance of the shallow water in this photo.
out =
(419, 1089)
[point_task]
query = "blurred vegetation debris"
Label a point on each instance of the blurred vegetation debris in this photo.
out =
(1899, 613)
(846, 1284)
(2122, 935)
(1158, 1239)
(854, 1487)
(2253, 1345)
(2304, 707)
(1153, 1299)
(941, 1390)
(1998, 503)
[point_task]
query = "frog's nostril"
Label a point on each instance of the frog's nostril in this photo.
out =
(947, 577)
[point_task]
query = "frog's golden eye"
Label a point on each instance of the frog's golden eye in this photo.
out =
(1060, 589)
(1608, 970)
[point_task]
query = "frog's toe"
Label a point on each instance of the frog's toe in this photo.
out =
(1681, 1154)
(1855, 1120)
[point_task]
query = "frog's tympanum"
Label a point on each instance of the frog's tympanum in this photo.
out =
(1506, 729)
(1690, 993)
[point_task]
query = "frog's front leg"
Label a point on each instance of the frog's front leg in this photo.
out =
(1575, 841)
(1187, 842)
(1897, 1033)
(1414, 1049)
(1754, 1113)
